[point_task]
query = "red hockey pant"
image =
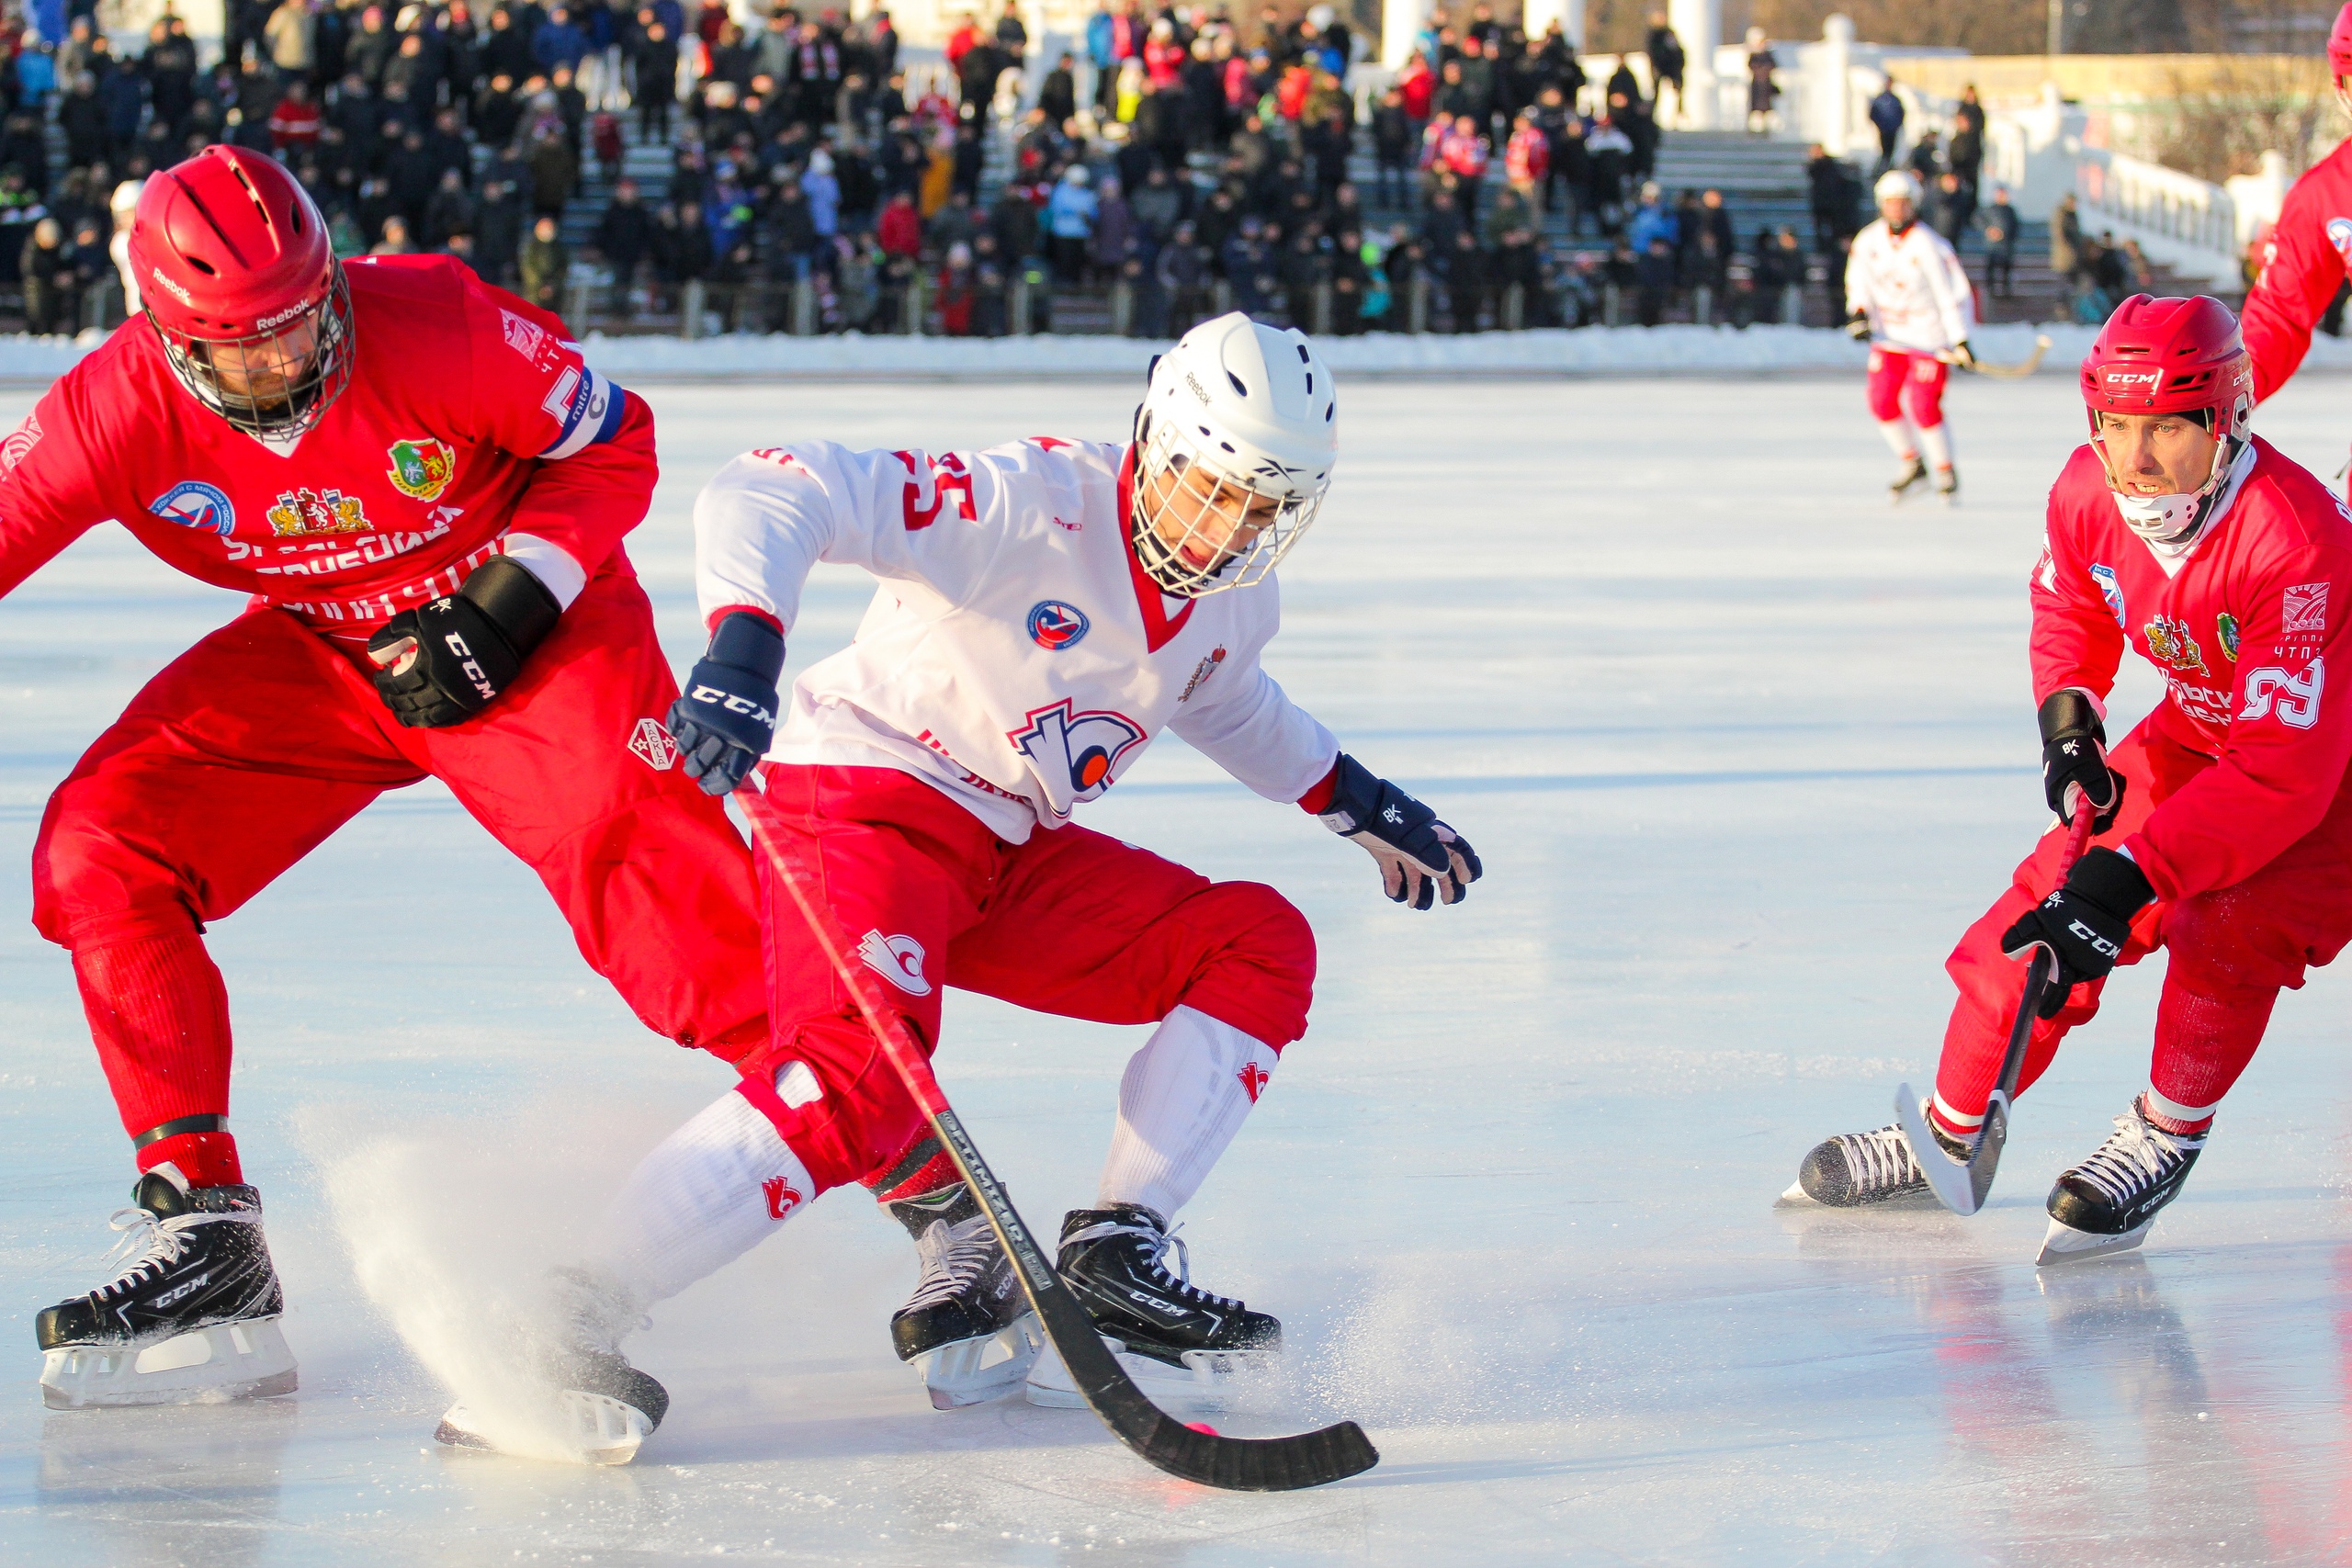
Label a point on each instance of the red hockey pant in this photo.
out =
(2232, 949)
(1910, 384)
(1072, 922)
(251, 748)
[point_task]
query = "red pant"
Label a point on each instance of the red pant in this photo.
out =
(262, 739)
(1907, 384)
(1073, 923)
(2232, 949)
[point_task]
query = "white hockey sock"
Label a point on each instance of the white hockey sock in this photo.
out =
(1181, 1101)
(1936, 439)
(1898, 438)
(711, 1192)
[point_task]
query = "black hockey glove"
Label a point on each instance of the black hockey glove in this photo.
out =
(2074, 758)
(446, 660)
(1963, 356)
(1857, 326)
(1421, 859)
(724, 720)
(2084, 924)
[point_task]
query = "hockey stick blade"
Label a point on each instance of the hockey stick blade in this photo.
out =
(2016, 372)
(1950, 1180)
(1235, 1464)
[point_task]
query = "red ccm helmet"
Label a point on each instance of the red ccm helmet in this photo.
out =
(2339, 44)
(240, 282)
(2179, 356)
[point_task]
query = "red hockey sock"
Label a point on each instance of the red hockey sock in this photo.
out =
(159, 1015)
(2202, 1044)
(922, 1169)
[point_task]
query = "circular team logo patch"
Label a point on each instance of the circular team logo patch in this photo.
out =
(1053, 626)
(192, 504)
(2339, 234)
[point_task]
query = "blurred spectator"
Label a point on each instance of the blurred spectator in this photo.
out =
(1999, 222)
(1886, 114)
(1761, 87)
(1655, 276)
(50, 274)
(1951, 206)
(395, 241)
(1667, 59)
(545, 262)
(1967, 152)
(1069, 219)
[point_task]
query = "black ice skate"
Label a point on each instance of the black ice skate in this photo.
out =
(2107, 1203)
(576, 1398)
(1854, 1170)
(1913, 475)
(968, 1328)
(1182, 1345)
(1948, 486)
(193, 1317)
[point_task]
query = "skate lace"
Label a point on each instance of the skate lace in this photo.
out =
(149, 1243)
(1156, 1245)
(955, 1257)
(1880, 1159)
(2135, 1157)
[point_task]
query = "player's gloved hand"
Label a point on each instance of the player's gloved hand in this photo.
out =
(725, 719)
(449, 659)
(2073, 759)
(1963, 355)
(2084, 923)
(1421, 859)
(1857, 326)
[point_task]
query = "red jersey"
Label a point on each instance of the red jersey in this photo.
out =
(469, 427)
(2303, 264)
(2240, 628)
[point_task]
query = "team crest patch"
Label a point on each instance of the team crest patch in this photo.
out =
(524, 337)
(305, 513)
(1053, 626)
(1201, 671)
(2110, 590)
(653, 746)
(1253, 1078)
(2227, 626)
(2169, 643)
(192, 504)
(898, 959)
(1085, 746)
(421, 470)
(19, 443)
(2339, 234)
(2304, 608)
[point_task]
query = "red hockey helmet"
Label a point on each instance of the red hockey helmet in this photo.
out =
(240, 282)
(2339, 44)
(2171, 357)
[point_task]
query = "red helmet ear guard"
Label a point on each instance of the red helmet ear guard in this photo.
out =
(2171, 357)
(231, 257)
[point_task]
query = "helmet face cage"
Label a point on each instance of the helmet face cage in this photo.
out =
(311, 384)
(1172, 512)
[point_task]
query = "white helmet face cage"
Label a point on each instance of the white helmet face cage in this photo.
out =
(1234, 448)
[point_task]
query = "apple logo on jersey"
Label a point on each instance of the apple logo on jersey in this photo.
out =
(192, 504)
(1053, 626)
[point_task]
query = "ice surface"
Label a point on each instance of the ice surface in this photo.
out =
(1743, 751)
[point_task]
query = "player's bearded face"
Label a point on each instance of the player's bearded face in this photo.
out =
(1203, 518)
(2155, 453)
(261, 373)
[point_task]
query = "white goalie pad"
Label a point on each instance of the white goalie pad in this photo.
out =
(973, 1372)
(221, 1362)
(1209, 1383)
(591, 1429)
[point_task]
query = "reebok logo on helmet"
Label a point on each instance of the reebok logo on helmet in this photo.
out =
(172, 288)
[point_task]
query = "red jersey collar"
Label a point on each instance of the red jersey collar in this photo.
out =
(1160, 628)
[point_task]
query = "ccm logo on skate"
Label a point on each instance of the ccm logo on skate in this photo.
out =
(898, 959)
(183, 1290)
(782, 1195)
(2296, 698)
(1053, 626)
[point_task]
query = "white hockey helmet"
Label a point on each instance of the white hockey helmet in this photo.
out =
(1895, 183)
(1235, 444)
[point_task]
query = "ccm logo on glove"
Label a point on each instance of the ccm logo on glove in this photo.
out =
(726, 721)
(445, 662)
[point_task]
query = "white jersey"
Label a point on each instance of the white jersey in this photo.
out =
(1912, 288)
(1016, 655)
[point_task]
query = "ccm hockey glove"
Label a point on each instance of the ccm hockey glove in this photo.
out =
(2073, 759)
(2084, 924)
(724, 720)
(446, 660)
(1421, 859)
(1857, 327)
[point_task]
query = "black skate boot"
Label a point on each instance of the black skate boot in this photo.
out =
(574, 1396)
(192, 1318)
(1180, 1343)
(968, 1328)
(1914, 474)
(1948, 486)
(2107, 1203)
(1856, 1170)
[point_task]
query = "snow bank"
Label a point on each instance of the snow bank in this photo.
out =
(1592, 351)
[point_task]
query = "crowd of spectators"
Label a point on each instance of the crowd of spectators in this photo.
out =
(1177, 162)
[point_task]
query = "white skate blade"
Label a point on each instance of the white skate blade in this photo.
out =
(973, 1372)
(596, 1429)
(1950, 1180)
(1207, 1382)
(2064, 1244)
(1796, 1197)
(221, 1362)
